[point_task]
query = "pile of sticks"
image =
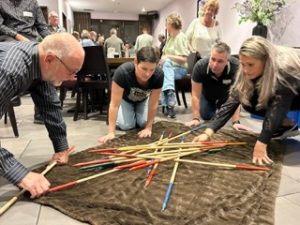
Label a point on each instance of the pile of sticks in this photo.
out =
(150, 156)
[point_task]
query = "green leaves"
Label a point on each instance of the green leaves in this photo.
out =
(260, 11)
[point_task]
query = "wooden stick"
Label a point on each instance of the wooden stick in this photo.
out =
(235, 166)
(171, 184)
(179, 145)
(15, 198)
(162, 160)
(73, 183)
(152, 169)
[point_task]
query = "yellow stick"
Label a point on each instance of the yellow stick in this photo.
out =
(178, 145)
(15, 198)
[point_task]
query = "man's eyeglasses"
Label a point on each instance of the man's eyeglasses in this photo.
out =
(68, 68)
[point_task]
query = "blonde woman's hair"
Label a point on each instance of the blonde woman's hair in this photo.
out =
(213, 4)
(280, 62)
(175, 20)
(85, 34)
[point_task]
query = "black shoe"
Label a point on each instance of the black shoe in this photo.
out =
(171, 112)
(285, 132)
(38, 119)
(165, 110)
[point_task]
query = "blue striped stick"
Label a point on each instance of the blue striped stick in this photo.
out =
(171, 184)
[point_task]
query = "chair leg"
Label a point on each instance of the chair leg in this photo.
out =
(5, 118)
(12, 118)
(62, 95)
(77, 108)
(177, 97)
(85, 95)
(184, 99)
(73, 92)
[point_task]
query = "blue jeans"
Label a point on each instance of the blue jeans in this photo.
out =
(207, 109)
(171, 73)
(132, 115)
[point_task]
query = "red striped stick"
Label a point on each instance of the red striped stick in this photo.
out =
(73, 183)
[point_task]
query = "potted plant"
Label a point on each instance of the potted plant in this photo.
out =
(261, 12)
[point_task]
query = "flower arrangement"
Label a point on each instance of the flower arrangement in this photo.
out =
(260, 11)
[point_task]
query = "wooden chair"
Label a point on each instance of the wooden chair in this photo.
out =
(68, 85)
(15, 101)
(184, 84)
(94, 77)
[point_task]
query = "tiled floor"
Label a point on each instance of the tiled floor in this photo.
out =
(33, 148)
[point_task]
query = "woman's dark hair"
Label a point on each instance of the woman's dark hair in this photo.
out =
(148, 54)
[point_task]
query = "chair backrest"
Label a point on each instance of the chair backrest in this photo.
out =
(94, 62)
(192, 59)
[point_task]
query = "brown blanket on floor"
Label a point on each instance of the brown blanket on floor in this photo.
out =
(203, 195)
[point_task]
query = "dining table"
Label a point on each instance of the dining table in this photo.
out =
(114, 63)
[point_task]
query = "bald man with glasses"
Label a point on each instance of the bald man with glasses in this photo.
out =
(23, 66)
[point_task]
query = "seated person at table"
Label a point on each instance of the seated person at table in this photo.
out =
(211, 81)
(135, 92)
(267, 84)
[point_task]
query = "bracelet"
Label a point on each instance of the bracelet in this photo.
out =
(196, 118)
(236, 122)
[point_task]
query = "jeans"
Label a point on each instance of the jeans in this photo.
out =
(207, 109)
(168, 98)
(171, 73)
(132, 115)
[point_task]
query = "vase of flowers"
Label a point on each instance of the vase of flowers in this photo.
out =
(260, 30)
(261, 12)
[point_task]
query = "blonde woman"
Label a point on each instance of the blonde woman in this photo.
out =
(204, 32)
(173, 61)
(85, 40)
(267, 84)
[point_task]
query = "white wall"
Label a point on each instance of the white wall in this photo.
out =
(283, 31)
(114, 16)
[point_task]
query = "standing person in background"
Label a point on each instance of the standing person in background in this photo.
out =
(114, 42)
(162, 40)
(85, 39)
(76, 35)
(135, 91)
(23, 20)
(100, 40)
(211, 81)
(267, 84)
(93, 36)
(204, 32)
(143, 40)
(173, 61)
(53, 21)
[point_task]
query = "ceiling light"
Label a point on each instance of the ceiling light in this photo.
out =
(143, 9)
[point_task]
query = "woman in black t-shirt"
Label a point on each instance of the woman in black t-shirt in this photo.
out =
(135, 92)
